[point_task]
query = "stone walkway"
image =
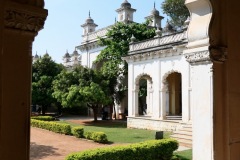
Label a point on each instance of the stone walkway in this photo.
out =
(46, 145)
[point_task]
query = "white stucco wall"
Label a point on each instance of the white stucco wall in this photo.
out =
(158, 69)
(88, 57)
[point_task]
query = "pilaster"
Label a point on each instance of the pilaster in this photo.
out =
(21, 22)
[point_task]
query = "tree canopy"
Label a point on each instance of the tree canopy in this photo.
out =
(82, 87)
(176, 10)
(117, 42)
(44, 72)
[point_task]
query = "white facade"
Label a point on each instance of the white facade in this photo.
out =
(155, 60)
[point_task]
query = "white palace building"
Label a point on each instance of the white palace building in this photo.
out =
(173, 68)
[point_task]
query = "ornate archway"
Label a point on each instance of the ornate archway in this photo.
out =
(172, 95)
(143, 95)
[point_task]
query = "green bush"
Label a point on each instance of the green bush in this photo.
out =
(149, 150)
(43, 118)
(52, 126)
(78, 132)
(96, 136)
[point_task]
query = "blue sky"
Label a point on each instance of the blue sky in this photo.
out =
(62, 30)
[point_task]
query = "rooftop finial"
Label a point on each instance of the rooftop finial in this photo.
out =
(154, 4)
(89, 14)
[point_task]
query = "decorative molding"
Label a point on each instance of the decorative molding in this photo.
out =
(89, 46)
(218, 53)
(93, 36)
(158, 41)
(152, 55)
(195, 57)
(24, 17)
(143, 76)
(164, 78)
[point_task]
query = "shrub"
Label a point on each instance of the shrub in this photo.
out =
(149, 150)
(96, 136)
(78, 132)
(43, 118)
(52, 126)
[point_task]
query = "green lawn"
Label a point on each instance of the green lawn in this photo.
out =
(184, 155)
(119, 133)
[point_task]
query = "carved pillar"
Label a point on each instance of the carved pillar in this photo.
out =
(165, 101)
(197, 54)
(21, 23)
(135, 101)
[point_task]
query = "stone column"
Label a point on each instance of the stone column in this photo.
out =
(165, 100)
(20, 23)
(197, 54)
(135, 101)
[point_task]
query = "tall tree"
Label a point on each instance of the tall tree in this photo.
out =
(176, 10)
(117, 43)
(44, 72)
(82, 86)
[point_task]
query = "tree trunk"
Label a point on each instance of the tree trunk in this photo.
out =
(95, 111)
(44, 108)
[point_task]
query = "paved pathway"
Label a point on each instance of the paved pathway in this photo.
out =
(46, 145)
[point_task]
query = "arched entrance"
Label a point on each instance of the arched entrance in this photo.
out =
(173, 95)
(143, 95)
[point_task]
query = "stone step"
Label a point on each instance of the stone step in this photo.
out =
(184, 136)
(185, 129)
(180, 136)
(174, 117)
(185, 143)
(182, 133)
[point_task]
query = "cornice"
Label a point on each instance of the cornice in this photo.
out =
(24, 17)
(152, 55)
(197, 57)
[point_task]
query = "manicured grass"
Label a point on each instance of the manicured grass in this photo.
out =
(119, 133)
(184, 155)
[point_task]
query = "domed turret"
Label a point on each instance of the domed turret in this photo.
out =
(155, 11)
(168, 29)
(126, 4)
(125, 13)
(35, 58)
(155, 18)
(89, 25)
(89, 20)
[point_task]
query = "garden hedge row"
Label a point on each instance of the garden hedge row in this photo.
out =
(100, 137)
(78, 132)
(52, 126)
(43, 118)
(149, 150)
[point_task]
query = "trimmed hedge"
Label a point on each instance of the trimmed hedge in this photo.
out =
(78, 132)
(100, 137)
(149, 150)
(52, 126)
(43, 118)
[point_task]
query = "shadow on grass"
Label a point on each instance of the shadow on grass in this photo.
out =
(102, 123)
(40, 151)
(184, 155)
